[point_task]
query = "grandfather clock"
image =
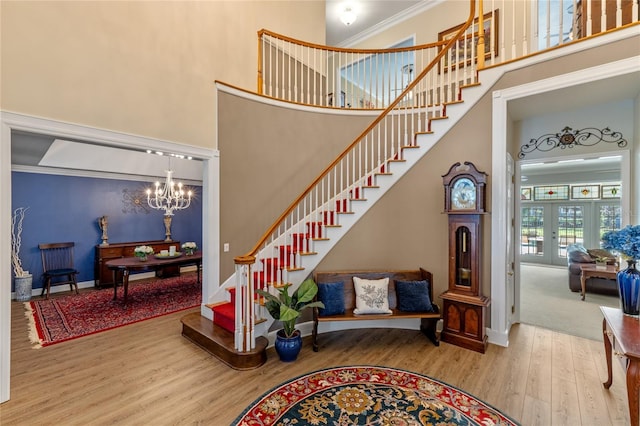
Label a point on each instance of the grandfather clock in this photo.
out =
(464, 306)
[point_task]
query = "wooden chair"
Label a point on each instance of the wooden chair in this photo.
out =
(57, 264)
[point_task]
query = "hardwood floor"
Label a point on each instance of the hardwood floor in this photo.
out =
(148, 373)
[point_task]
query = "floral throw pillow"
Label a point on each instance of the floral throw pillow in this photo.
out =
(371, 296)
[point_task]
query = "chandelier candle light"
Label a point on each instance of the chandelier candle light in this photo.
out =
(170, 197)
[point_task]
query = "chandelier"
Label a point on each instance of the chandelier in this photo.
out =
(169, 197)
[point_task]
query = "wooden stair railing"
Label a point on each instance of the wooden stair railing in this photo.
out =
(292, 236)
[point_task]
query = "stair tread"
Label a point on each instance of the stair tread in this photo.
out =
(220, 343)
(226, 309)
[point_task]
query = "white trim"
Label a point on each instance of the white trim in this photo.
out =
(91, 174)
(499, 333)
(5, 259)
(10, 121)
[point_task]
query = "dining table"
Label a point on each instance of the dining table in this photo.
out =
(128, 265)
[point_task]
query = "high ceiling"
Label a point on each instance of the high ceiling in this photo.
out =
(372, 16)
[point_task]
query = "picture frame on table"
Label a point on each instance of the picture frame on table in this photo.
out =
(460, 54)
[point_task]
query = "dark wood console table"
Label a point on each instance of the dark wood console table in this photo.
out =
(126, 265)
(103, 276)
(622, 339)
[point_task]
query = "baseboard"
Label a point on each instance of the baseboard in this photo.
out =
(497, 337)
(91, 283)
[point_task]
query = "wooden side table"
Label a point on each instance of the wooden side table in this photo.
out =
(590, 270)
(622, 338)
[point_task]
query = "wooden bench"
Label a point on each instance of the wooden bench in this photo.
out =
(428, 321)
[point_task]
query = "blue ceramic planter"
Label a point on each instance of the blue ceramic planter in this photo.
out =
(629, 289)
(288, 348)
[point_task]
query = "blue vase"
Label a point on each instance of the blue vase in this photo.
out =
(288, 348)
(629, 289)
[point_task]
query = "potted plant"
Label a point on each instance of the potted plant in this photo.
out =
(601, 262)
(23, 279)
(189, 248)
(286, 309)
(141, 252)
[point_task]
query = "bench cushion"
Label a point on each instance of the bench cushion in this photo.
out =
(372, 296)
(413, 296)
(332, 295)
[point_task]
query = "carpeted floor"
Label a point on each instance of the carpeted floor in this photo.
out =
(368, 395)
(546, 301)
(70, 316)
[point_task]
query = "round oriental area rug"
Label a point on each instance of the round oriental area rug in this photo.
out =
(367, 395)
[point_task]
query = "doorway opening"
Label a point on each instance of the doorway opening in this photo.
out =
(563, 204)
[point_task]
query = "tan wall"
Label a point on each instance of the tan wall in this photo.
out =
(139, 67)
(269, 155)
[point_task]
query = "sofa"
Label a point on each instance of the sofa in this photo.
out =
(578, 255)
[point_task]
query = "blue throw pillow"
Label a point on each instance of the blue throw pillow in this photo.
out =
(413, 296)
(332, 295)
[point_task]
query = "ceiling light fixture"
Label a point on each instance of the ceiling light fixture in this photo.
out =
(348, 16)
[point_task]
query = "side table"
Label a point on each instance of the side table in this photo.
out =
(590, 270)
(622, 338)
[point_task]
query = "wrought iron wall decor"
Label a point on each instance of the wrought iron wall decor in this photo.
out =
(135, 201)
(569, 138)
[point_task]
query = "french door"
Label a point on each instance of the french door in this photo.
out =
(547, 229)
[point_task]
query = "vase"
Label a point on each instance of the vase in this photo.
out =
(188, 252)
(142, 258)
(23, 286)
(629, 289)
(288, 348)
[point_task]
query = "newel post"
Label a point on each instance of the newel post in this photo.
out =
(244, 340)
(480, 50)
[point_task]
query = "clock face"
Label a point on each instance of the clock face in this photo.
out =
(463, 195)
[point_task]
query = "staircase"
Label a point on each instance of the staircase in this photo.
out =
(296, 243)
(291, 261)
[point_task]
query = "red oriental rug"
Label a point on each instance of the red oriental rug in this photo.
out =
(367, 395)
(75, 315)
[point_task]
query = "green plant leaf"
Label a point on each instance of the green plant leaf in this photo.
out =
(307, 291)
(288, 314)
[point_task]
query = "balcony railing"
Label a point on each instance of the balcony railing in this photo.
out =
(505, 30)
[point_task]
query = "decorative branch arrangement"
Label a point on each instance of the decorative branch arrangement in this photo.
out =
(16, 241)
(570, 138)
